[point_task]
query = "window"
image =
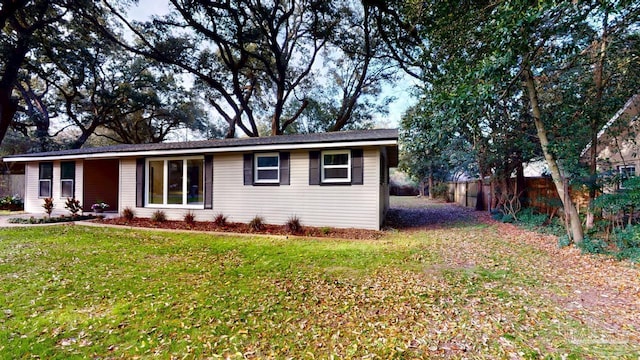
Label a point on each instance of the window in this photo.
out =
(626, 173)
(175, 182)
(267, 168)
(45, 178)
(336, 166)
(67, 179)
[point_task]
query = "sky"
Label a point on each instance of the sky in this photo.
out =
(400, 90)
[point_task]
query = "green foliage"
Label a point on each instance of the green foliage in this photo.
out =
(159, 216)
(48, 205)
(592, 245)
(440, 190)
(73, 205)
(13, 203)
(564, 241)
(293, 225)
(256, 224)
(49, 220)
(128, 213)
(531, 219)
(628, 243)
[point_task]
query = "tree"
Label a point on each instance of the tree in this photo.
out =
(509, 55)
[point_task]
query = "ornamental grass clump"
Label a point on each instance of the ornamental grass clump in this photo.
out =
(293, 225)
(128, 214)
(256, 224)
(158, 216)
(220, 220)
(189, 218)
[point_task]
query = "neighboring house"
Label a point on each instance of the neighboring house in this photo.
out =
(619, 141)
(337, 179)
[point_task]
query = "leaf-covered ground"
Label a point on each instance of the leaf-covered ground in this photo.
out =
(462, 289)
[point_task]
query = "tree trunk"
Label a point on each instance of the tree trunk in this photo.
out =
(598, 75)
(430, 186)
(574, 228)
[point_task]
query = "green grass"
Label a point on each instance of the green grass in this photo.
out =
(79, 292)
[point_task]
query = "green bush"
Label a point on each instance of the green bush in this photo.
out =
(563, 241)
(591, 245)
(531, 219)
(11, 203)
(440, 190)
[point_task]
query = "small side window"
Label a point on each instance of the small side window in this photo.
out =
(45, 177)
(267, 168)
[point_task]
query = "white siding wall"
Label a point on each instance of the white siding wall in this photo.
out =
(33, 203)
(326, 205)
(355, 206)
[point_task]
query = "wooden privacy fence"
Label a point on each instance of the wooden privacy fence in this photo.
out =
(541, 192)
(12, 184)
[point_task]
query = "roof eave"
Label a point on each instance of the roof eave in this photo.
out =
(208, 150)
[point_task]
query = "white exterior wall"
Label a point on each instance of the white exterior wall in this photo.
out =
(344, 206)
(33, 203)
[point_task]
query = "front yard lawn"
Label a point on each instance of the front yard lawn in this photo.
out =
(468, 291)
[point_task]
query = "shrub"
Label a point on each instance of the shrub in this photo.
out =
(563, 241)
(293, 225)
(11, 203)
(159, 216)
(325, 230)
(220, 220)
(256, 224)
(591, 245)
(48, 205)
(531, 219)
(440, 190)
(189, 218)
(128, 213)
(73, 205)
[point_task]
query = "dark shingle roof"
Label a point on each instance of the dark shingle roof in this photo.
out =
(330, 137)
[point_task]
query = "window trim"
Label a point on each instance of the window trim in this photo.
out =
(43, 179)
(165, 179)
(257, 168)
(625, 174)
(346, 180)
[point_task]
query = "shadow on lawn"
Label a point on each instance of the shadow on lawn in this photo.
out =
(429, 215)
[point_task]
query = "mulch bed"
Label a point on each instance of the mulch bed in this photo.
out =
(326, 232)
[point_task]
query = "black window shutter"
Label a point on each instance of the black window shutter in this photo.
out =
(357, 176)
(314, 167)
(208, 181)
(248, 169)
(140, 182)
(284, 168)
